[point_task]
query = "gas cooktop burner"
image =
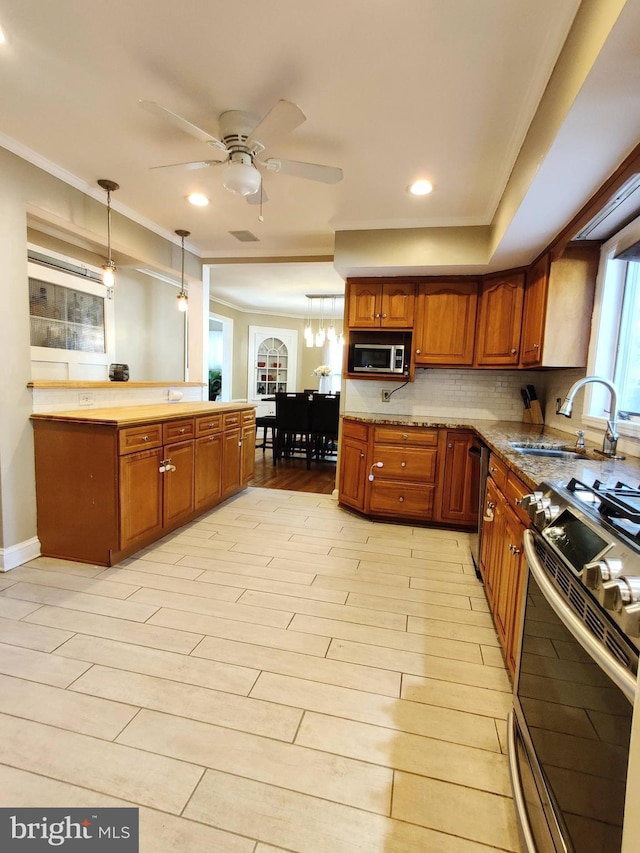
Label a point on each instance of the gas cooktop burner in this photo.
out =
(614, 502)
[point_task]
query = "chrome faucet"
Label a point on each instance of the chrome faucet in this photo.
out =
(610, 441)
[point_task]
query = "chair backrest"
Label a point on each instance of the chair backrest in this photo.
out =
(325, 414)
(292, 412)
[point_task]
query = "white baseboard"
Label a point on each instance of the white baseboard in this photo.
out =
(16, 555)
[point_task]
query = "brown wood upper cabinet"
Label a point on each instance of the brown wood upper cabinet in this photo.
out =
(375, 304)
(446, 318)
(558, 301)
(499, 320)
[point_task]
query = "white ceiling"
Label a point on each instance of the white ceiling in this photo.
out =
(392, 91)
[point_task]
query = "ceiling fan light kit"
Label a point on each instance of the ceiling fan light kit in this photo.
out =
(241, 176)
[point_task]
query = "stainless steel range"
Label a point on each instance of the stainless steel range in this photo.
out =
(576, 678)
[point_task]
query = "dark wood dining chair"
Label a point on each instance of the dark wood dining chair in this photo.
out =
(293, 427)
(325, 420)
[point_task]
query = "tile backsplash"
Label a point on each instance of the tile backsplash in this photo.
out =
(448, 393)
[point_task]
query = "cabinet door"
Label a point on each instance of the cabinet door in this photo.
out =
(208, 471)
(140, 497)
(364, 301)
(397, 305)
(533, 317)
(446, 317)
(178, 484)
(460, 486)
(231, 458)
(493, 519)
(248, 453)
(353, 465)
(500, 320)
(517, 577)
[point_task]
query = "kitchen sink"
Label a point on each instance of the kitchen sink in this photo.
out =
(551, 450)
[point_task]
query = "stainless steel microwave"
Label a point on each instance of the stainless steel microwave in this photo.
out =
(378, 358)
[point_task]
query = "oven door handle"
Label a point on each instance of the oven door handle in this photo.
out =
(605, 660)
(516, 785)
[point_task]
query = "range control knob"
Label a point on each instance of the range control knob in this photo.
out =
(619, 593)
(529, 502)
(596, 573)
(630, 620)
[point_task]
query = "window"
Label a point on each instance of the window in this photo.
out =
(71, 319)
(64, 318)
(616, 339)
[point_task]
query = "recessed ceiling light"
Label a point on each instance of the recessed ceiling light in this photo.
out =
(421, 187)
(198, 199)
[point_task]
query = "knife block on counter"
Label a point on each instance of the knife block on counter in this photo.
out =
(533, 415)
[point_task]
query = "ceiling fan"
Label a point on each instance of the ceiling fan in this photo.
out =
(244, 137)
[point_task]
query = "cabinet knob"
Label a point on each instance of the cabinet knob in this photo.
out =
(377, 316)
(362, 456)
(384, 316)
(401, 499)
(405, 436)
(403, 464)
(536, 346)
(513, 351)
(517, 501)
(182, 431)
(145, 438)
(449, 446)
(418, 352)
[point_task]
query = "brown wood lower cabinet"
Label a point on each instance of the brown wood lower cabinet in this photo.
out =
(354, 444)
(396, 472)
(403, 467)
(104, 490)
(503, 567)
(460, 485)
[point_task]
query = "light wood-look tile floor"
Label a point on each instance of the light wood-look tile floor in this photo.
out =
(278, 675)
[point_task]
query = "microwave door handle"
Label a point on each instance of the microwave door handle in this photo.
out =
(605, 660)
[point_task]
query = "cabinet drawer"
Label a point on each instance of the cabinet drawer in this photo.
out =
(399, 500)
(397, 435)
(405, 463)
(514, 492)
(177, 430)
(143, 437)
(231, 419)
(248, 417)
(355, 429)
(498, 470)
(206, 424)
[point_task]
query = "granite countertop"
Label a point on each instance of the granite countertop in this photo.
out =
(532, 470)
(129, 415)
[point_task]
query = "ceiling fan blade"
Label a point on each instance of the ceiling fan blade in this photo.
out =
(182, 123)
(195, 164)
(310, 171)
(281, 119)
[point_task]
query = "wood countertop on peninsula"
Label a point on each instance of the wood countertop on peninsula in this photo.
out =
(128, 415)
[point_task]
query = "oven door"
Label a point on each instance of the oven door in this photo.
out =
(570, 729)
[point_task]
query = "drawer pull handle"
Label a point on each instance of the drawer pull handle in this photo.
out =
(401, 499)
(375, 465)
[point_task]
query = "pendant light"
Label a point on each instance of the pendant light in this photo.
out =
(108, 269)
(183, 301)
(320, 334)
